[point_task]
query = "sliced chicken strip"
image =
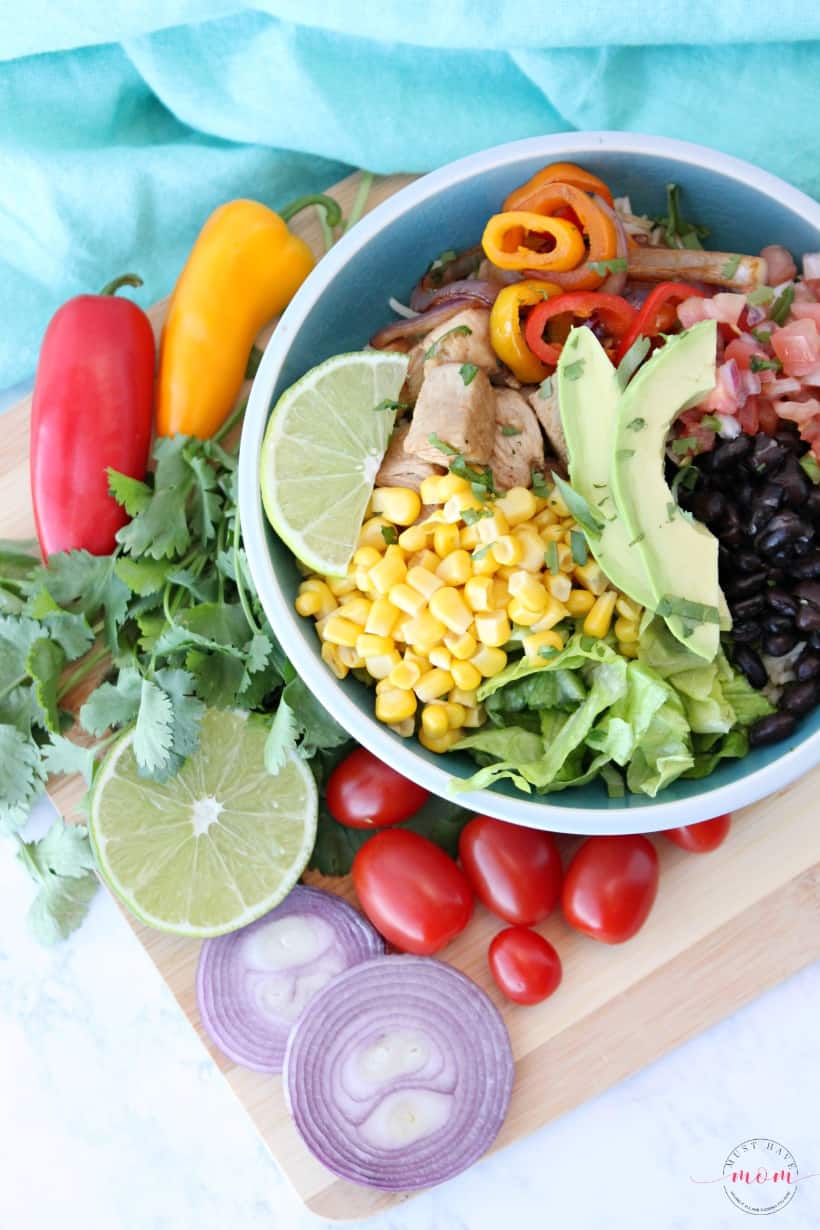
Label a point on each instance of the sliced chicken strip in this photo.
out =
(403, 469)
(519, 445)
(458, 406)
(449, 343)
(549, 416)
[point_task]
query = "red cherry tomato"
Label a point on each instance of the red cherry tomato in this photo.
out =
(701, 838)
(365, 793)
(515, 871)
(610, 886)
(416, 896)
(525, 966)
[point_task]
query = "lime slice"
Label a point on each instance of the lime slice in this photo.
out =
(322, 450)
(216, 846)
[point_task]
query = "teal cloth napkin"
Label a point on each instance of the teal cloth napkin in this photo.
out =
(123, 126)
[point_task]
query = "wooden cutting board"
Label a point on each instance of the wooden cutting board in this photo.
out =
(725, 927)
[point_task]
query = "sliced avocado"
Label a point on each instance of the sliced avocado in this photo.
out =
(679, 554)
(588, 395)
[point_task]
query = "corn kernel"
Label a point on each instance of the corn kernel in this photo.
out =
(370, 535)
(424, 632)
(341, 631)
(517, 505)
(366, 557)
(351, 659)
(395, 705)
(363, 581)
(523, 586)
(459, 697)
(389, 572)
(414, 538)
(442, 743)
(356, 609)
(532, 549)
(565, 561)
(485, 565)
(405, 675)
(489, 661)
(506, 550)
(560, 586)
(434, 721)
(626, 630)
(439, 487)
(341, 586)
(490, 528)
(474, 716)
(579, 601)
(381, 618)
(590, 576)
(416, 659)
(405, 729)
(423, 580)
(628, 649)
(539, 640)
(446, 538)
(478, 593)
(468, 537)
(448, 606)
(424, 559)
(492, 628)
(433, 684)
(545, 518)
(520, 615)
(555, 501)
(500, 591)
(456, 569)
(368, 645)
(407, 599)
(429, 490)
(453, 510)
(461, 647)
(441, 656)
(401, 505)
(308, 604)
(382, 665)
(330, 656)
(599, 618)
(315, 585)
(629, 609)
(554, 613)
(553, 533)
(456, 714)
(465, 676)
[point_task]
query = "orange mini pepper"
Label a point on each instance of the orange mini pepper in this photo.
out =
(503, 242)
(243, 269)
(506, 333)
(597, 226)
(566, 173)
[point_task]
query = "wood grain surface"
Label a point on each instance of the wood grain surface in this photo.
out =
(726, 926)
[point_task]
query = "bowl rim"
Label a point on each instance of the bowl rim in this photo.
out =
(535, 811)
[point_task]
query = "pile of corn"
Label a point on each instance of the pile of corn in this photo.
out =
(427, 607)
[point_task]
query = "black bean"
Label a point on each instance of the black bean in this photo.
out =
(788, 436)
(709, 507)
(777, 576)
(793, 481)
(764, 506)
(732, 451)
(807, 568)
(779, 644)
(808, 619)
(748, 633)
(748, 661)
(748, 608)
(807, 666)
(745, 493)
(808, 591)
(814, 641)
(771, 729)
(731, 536)
(766, 455)
(800, 698)
(780, 564)
(743, 586)
(782, 602)
(744, 561)
(773, 625)
(812, 506)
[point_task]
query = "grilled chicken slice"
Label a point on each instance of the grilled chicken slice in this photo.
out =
(519, 445)
(402, 469)
(450, 343)
(458, 407)
(549, 416)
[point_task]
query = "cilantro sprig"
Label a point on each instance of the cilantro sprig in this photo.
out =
(678, 233)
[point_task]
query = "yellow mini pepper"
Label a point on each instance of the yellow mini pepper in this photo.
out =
(244, 268)
(506, 334)
(504, 233)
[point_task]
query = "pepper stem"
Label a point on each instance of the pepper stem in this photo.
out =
(125, 279)
(333, 210)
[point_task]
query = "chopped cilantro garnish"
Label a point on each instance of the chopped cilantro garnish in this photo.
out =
(636, 425)
(551, 558)
(540, 487)
(675, 227)
(456, 331)
(510, 431)
(684, 608)
(388, 404)
(578, 506)
(481, 478)
(757, 364)
(686, 478)
(711, 421)
(616, 265)
(482, 551)
(545, 387)
(760, 296)
(623, 454)
(782, 306)
(685, 444)
(547, 651)
(730, 268)
(468, 372)
(764, 336)
(471, 515)
(389, 535)
(574, 371)
(811, 466)
(671, 509)
(632, 360)
(442, 445)
(435, 270)
(578, 546)
(638, 538)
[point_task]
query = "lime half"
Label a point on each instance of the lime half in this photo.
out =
(216, 846)
(322, 450)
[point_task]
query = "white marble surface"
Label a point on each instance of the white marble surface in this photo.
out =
(112, 1117)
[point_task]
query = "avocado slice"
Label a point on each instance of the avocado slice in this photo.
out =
(588, 396)
(680, 555)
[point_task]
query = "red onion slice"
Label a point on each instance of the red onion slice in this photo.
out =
(399, 1073)
(482, 290)
(420, 325)
(253, 984)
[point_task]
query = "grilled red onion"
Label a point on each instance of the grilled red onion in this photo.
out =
(252, 984)
(409, 330)
(615, 282)
(398, 1075)
(481, 291)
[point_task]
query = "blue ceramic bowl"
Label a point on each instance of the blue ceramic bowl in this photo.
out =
(344, 302)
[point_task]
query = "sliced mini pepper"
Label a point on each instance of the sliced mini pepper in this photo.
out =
(654, 316)
(615, 313)
(503, 242)
(566, 173)
(552, 198)
(506, 334)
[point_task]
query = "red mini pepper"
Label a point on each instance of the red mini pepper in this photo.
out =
(616, 314)
(653, 317)
(92, 408)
